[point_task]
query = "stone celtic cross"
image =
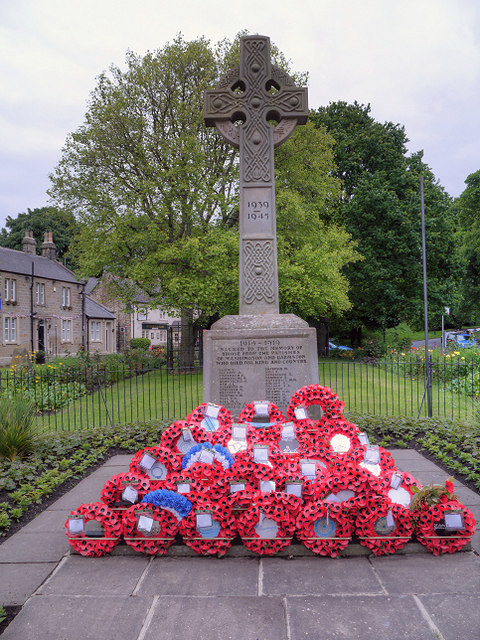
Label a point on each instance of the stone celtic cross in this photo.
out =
(241, 108)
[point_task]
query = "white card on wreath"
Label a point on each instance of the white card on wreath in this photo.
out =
(147, 461)
(453, 521)
(130, 494)
(183, 487)
(363, 437)
(207, 457)
(396, 480)
(261, 408)
(293, 489)
(267, 486)
(288, 431)
(300, 413)
(308, 469)
(212, 410)
(76, 525)
(204, 520)
(372, 454)
(239, 432)
(145, 524)
(260, 454)
(237, 486)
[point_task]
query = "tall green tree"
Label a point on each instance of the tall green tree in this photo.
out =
(61, 222)
(467, 207)
(380, 208)
(157, 192)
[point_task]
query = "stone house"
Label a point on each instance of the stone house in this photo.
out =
(43, 305)
(138, 318)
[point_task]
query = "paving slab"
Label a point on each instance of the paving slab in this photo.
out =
(18, 582)
(453, 573)
(356, 618)
(456, 617)
(49, 521)
(105, 473)
(316, 576)
(201, 577)
(87, 490)
(121, 460)
(96, 576)
(79, 618)
(219, 618)
(34, 547)
(475, 542)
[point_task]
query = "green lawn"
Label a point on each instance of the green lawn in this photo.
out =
(380, 391)
(158, 396)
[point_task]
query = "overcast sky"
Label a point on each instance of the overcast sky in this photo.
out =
(415, 61)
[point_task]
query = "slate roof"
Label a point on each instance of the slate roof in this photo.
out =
(94, 309)
(21, 263)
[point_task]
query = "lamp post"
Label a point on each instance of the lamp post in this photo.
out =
(428, 383)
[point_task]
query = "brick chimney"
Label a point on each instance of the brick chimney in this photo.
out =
(28, 243)
(49, 250)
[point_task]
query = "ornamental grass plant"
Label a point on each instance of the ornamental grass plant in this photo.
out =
(18, 435)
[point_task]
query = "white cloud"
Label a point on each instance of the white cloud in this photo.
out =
(416, 61)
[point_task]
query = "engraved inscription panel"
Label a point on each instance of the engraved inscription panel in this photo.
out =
(258, 211)
(270, 368)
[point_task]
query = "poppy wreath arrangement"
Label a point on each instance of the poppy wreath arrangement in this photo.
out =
(383, 527)
(178, 437)
(156, 463)
(207, 463)
(93, 543)
(210, 479)
(209, 422)
(149, 529)
(125, 489)
(314, 394)
(443, 524)
(210, 527)
(265, 421)
(268, 525)
(325, 527)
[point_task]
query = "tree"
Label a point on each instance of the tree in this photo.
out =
(380, 208)
(157, 194)
(61, 222)
(467, 207)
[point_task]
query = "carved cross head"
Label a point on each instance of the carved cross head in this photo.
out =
(254, 94)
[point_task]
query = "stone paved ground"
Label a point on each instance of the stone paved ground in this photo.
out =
(68, 597)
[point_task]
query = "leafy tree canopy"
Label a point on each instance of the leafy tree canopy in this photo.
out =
(157, 192)
(380, 208)
(467, 207)
(59, 221)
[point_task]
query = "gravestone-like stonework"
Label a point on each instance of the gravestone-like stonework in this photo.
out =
(259, 354)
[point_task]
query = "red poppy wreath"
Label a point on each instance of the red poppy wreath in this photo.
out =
(93, 543)
(324, 528)
(149, 529)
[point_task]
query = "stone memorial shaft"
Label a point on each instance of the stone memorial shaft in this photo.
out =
(259, 354)
(255, 94)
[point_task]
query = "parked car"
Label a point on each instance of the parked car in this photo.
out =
(339, 347)
(461, 339)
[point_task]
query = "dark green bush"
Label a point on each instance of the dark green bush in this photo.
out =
(399, 338)
(140, 343)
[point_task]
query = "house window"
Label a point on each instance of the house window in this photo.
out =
(10, 290)
(10, 329)
(40, 293)
(142, 315)
(65, 296)
(66, 330)
(95, 331)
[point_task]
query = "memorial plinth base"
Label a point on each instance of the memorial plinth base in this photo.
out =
(267, 357)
